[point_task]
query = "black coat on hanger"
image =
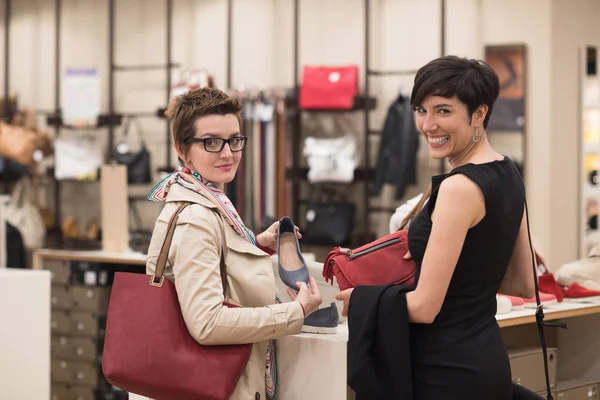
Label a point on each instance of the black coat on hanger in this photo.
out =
(397, 158)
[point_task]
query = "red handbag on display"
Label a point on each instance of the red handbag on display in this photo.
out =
(380, 262)
(148, 349)
(328, 87)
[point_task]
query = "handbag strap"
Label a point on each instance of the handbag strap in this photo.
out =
(539, 313)
(138, 128)
(416, 209)
(161, 263)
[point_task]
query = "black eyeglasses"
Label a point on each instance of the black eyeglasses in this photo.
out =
(216, 145)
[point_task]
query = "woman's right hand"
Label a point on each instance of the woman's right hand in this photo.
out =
(309, 296)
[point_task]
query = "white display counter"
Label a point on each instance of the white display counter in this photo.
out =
(24, 334)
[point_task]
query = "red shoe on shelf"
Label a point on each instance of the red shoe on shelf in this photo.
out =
(547, 284)
(546, 299)
(546, 280)
(576, 293)
(516, 302)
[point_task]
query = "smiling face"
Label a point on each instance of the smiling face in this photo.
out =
(218, 168)
(448, 126)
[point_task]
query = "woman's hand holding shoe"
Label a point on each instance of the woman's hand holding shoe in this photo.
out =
(309, 296)
(268, 238)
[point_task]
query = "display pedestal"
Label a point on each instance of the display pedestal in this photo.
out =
(25, 334)
(313, 366)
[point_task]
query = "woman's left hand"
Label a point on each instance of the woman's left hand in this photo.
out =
(344, 296)
(268, 238)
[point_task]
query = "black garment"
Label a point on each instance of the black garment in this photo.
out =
(397, 157)
(16, 256)
(379, 358)
(461, 355)
(378, 343)
(521, 393)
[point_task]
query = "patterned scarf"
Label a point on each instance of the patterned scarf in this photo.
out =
(193, 181)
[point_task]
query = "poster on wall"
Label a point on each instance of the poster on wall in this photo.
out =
(81, 97)
(509, 62)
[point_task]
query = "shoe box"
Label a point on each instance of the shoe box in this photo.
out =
(80, 295)
(575, 390)
(527, 367)
(328, 291)
(60, 391)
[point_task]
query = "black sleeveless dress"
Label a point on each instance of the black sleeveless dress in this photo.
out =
(461, 355)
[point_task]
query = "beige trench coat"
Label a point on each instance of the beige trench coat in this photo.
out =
(193, 265)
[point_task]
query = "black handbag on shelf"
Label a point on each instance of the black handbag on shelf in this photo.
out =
(139, 238)
(328, 222)
(138, 163)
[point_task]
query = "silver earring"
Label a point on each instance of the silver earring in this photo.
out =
(476, 137)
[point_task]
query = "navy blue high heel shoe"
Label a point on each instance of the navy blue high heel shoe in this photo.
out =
(292, 267)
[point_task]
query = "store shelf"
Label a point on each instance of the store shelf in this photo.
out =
(593, 148)
(360, 102)
(91, 256)
(360, 174)
(592, 236)
(559, 311)
(513, 318)
(591, 191)
(103, 120)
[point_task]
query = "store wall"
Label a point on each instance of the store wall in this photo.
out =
(405, 34)
(331, 32)
(529, 22)
(573, 28)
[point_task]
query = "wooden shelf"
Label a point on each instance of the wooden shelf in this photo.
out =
(559, 311)
(513, 318)
(360, 175)
(101, 256)
(361, 102)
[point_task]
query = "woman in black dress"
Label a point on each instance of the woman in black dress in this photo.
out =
(469, 242)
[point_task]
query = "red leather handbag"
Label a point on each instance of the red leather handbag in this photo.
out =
(328, 87)
(148, 349)
(380, 262)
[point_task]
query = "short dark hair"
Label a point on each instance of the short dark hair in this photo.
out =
(185, 109)
(472, 81)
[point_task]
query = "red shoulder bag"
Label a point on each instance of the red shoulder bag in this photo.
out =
(328, 87)
(380, 262)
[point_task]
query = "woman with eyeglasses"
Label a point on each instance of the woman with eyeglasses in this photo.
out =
(206, 126)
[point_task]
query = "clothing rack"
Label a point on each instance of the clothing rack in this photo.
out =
(259, 191)
(366, 104)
